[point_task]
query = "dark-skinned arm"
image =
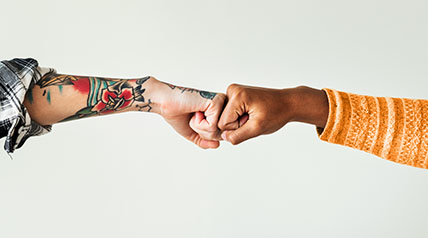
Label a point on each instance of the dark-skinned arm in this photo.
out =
(395, 129)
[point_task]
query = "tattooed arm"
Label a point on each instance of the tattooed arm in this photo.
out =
(192, 113)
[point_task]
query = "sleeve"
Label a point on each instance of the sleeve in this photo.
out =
(16, 77)
(395, 129)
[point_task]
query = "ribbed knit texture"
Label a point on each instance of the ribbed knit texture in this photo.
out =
(395, 129)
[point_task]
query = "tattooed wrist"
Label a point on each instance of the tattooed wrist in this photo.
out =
(204, 94)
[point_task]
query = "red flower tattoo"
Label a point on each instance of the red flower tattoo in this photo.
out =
(113, 101)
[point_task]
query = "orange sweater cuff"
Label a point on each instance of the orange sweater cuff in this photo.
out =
(391, 128)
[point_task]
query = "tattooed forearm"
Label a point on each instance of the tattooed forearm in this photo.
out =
(58, 97)
(103, 95)
(204, 94)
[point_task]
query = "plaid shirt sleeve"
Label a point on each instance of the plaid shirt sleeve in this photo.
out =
(16, 77)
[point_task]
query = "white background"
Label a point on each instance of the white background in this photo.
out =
(130, 175)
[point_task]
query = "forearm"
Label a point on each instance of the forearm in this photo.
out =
(192, 113)
(56, 97)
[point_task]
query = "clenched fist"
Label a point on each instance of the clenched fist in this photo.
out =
(253, 111)
(192, 113)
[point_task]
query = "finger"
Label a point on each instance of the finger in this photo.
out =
(203, 143)
(243, 119)
(198, 118)
(205, 124)
(199, 124)
(229, 119)
(204, 128)
(209, 144)
(238, 123)
(249, 130)
(213, 112)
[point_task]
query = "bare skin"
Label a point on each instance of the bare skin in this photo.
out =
(57, 98)
(195, 114)
(254, 111)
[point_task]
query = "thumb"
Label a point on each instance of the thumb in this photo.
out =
(249, 130)
(232, 116)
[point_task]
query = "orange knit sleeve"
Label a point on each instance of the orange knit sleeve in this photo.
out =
(395, 129)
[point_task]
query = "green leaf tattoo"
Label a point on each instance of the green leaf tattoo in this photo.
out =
(207, 95)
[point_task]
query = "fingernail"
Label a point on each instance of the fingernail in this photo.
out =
(223, 136)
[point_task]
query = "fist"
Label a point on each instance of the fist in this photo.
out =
(193, 113)
(253, 111)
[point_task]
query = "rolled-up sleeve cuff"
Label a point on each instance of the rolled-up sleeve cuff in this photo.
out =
(17, 76)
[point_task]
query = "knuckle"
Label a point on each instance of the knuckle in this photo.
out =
(211, 135)
(222, 122)
(214, 135)
(234, 142)
(232, 88)
(195, 127)
(223, 125)
(207, 135)
(233, 139)
(221, 97)
(241, 93)
(212, 129)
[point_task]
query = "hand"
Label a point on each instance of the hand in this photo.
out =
(254, 111)
(192, 113)
(265, 109)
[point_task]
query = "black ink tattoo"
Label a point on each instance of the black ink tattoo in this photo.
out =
(204, 94)
(139, 90)
(147, 107)
(56, 79)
